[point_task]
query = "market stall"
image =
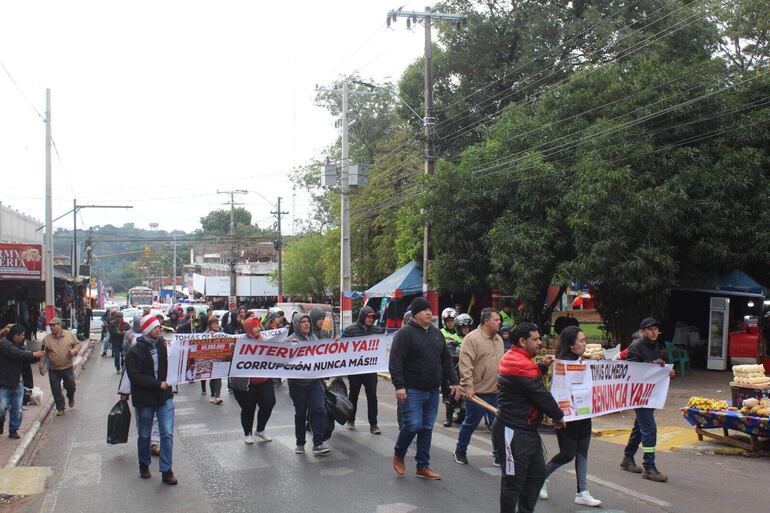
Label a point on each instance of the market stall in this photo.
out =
(748, 413)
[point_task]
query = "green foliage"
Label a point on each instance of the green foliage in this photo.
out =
(309, 265)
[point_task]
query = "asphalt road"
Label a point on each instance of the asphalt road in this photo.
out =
(217, 472)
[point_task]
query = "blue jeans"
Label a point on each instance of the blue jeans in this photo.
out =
(418, 413)
(117, 355)
(473, 415)
(12, 398)
(308, 395)
(165, 414)
(646, 432)
(106, 343)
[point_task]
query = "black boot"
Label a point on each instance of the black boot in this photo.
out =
(449, 414)
(144, 471)
(168, 478)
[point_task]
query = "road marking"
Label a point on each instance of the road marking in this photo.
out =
(449, 444)
(398, 507)
(83, 471)
(626, 491)
(290, 442)
(234, 455)
(336, 472)
(492, 471)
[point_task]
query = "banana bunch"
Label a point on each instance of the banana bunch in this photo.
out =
(704, 403)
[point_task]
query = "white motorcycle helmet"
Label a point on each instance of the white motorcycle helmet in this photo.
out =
(448, 313)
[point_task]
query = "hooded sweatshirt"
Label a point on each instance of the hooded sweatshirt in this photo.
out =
(360, 329)
(296, 336)
(316, 314)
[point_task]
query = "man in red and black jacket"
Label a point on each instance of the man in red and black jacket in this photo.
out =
(522, 399)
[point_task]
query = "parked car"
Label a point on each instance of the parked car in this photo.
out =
(96, 321)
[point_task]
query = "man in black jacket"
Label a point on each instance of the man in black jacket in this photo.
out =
(645, 431)
(419, 361)
(147, 368)
(365, 326)
(521, 401)
(13, 357)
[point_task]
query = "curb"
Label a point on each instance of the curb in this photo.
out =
(30, 436)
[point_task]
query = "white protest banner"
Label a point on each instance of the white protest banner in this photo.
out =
(589, 388)
(197, 356)
(276, 358)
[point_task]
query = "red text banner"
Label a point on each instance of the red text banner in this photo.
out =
(590, 388)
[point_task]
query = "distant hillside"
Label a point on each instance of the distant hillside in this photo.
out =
(126, 244)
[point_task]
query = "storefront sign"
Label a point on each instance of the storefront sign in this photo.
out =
(591, 388)
(21, 262)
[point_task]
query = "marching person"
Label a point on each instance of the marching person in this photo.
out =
(645, 431)
(187, 324)
(419, 361)
(215, 385)
(60, 347)
(480, 355)
(118, 330)
(229, 316)
(253, 392)
(106, 319)
(363, 327)
(317, 318)
(575, 438)
(307, 394)
(151, 395)
(521, 401)
(463, 324)
(13, 356)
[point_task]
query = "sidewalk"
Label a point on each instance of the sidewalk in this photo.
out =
(12, 451)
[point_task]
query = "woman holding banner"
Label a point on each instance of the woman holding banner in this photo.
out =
(307, 394)
(576, 436)
(215, 385)
(253, 392)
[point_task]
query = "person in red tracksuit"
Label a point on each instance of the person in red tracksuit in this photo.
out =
(522, 399)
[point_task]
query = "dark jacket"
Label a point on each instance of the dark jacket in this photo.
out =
(187, 324)
(145, 387)
(360, 329)
(203, 322)
(296, 336)
(644, 350)
(419, 358)
(117, 332)
(521, 396)
(12, 358)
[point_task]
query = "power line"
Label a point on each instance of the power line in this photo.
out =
(13, 81)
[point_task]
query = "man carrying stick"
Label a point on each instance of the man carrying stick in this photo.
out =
(480, 355)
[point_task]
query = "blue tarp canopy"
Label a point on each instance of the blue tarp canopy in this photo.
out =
(735, 283)
(404, 281)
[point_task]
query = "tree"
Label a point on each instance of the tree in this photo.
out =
(308, 268)
(217, 222)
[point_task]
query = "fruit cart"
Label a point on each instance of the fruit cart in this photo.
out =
(751, 419)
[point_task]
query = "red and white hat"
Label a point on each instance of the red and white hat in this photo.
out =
(147, 324)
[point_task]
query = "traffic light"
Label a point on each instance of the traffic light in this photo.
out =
(147, 251)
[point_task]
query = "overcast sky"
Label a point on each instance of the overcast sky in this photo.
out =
(158, 104)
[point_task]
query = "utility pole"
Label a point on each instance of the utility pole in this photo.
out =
(173, 265)
(429, 121)
(278, 213)
(346, 301)
(232, 298)
(50, 308)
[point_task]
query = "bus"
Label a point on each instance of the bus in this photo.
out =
(139, 296)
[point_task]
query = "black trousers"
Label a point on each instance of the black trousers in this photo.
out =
(520, 452)
(369, 382)
(56, 378)
(262, 395)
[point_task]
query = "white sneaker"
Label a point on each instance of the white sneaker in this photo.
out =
(585, 499)
(264, 436)
(544, 492)
(249, 439)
